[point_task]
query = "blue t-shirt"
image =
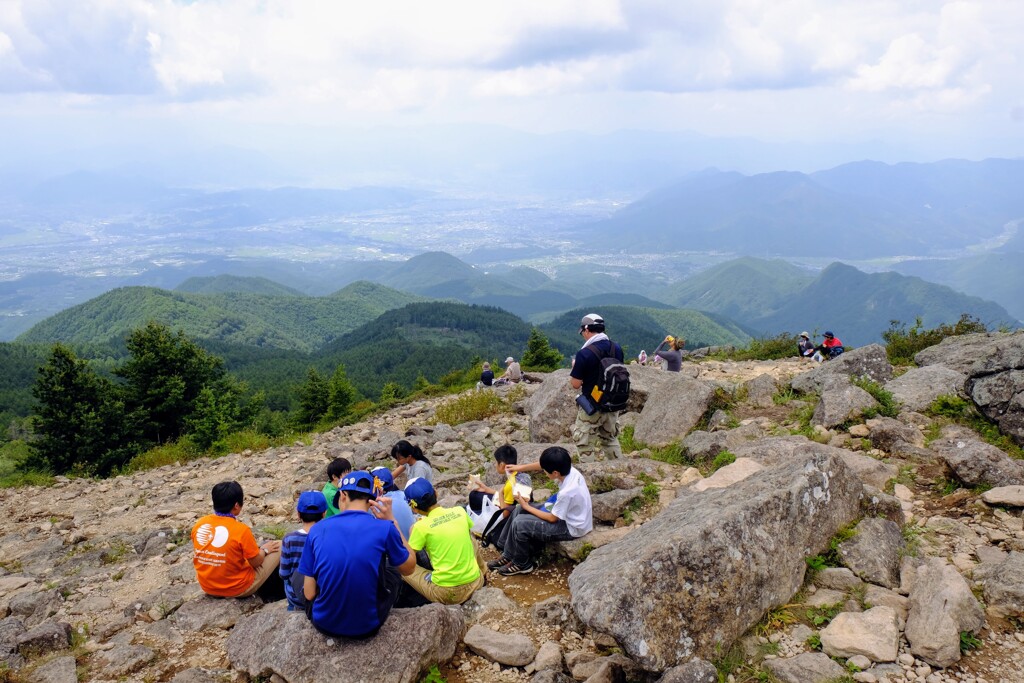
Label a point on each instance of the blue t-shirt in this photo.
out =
(343, 554)
(402, 511)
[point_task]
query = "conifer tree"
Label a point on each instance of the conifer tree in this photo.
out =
(314, 399)
(342, 394)
(539, 355)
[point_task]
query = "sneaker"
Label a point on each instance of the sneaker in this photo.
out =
(498, 563)
(512, 569)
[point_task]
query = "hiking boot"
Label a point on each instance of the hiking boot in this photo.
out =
(498, 563)
(512, 569)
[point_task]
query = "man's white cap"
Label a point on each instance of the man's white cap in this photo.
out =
(509, 360)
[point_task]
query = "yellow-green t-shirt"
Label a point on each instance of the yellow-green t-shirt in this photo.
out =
(444, 532)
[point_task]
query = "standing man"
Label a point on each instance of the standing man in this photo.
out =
(349, 585)
(597, 432)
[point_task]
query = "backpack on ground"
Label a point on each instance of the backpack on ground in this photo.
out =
(611, 393)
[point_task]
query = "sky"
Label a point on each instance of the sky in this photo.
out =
(929, 78)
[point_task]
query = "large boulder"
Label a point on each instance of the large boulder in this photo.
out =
(510, 649)
(874, 633)
(941, 608)
(809, 667)
(976, 463)
(702, 445)
(841, 403)
(552, 409)
(866, 361)
(303, 655)
(713, 562)
(672, 410)
(874, 552)
(1003, 583)
(777, 450)
(1000, 397)
(918, 388)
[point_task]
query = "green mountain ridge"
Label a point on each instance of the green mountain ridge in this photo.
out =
(234, 284)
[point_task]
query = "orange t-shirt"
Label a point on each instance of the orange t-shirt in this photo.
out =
(223, 547)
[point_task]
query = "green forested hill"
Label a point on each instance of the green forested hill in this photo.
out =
(998, 277)
(742, 289)
(234, 284)
(285, 322)
(645, 328)
(858, 306)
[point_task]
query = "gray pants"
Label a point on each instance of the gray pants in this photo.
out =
(524, 534)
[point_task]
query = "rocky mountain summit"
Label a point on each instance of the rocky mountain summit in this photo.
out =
(770, 518)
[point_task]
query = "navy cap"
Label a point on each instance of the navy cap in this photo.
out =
(417, 489)
(828, 333)
(357, 481)
(312, 502)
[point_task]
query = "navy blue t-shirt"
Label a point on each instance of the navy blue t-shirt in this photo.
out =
(343, 554)
(587, 367)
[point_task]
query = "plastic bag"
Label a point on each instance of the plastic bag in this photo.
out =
(480, 519)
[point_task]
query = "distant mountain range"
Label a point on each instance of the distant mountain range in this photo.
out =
(858, 210)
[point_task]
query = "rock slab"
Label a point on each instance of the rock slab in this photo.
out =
(503, 648)
(941, 607)
(809, 667)
(712, 563)
(397, 653)
(874, 634)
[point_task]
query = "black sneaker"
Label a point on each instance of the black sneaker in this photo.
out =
(511, 569)
(498, 563)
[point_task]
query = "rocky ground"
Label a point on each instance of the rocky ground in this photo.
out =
(914, 524)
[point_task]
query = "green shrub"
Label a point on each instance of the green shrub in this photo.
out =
(901, 344)
(180, 451)
(474, 405)
(888, 406)
(722, 459)
(969, 641)
(763, 348)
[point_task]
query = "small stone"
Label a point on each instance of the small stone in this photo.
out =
(860, 661)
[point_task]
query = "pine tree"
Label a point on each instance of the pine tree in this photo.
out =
(314, 399)
(78, 419)
(539, 355)
(342, 394)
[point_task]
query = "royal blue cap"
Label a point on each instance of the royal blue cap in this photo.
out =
(417, 489)
(357, 481)
(382, 475)
(312, 502)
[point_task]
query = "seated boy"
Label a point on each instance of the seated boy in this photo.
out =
(338, 468)
(349, 585)
(311, 507)
(444, 533)
(384, 485)
(228, 562)
(503, 457)
(570, 517)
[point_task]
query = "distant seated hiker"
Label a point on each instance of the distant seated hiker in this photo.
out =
(486, 377)
(310, 507)
(384, 485)
(805, 347)
(829, 349)
(570, 515)
(411, 461)
(503, 457)
(642, 358)
(228, 562)
(353, 563)
(338, 468)
(513, 373)
(671, 352)
(444, 534)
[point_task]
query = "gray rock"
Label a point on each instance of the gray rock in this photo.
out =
(837, 578)
(552, 409)
(874, 552)
(486, 601)
(918, 388)
(875, 503)
(876, 596)
(611, 669)
(712, 563)
(35, 608)
(696, 670)
(976, 463)
(974, 354)
(776, 450)
(556, 611)
(1003, 583)
(1010, 496)
(123, 659)
(809, 667)
(59, 670)
(874, 634)
(397, 653)
(839, 404)
(549, 676)
(866, 361)
(702, 445)
(719, 420)
(895, 437)
(607, 507)
(11, 629)
(206, 612)
(1000, 397)
(47, 637)
(761, 390)
(941, 607)
(577, 548)
(673, 410)
(510, 649)
(549, 656)
(197, 675)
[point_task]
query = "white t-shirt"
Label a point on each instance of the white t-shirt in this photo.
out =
(573, 504)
